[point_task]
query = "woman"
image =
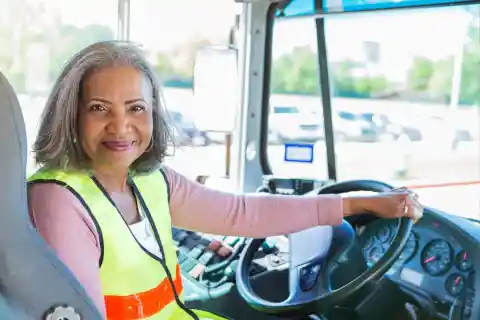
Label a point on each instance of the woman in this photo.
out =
(105, 203)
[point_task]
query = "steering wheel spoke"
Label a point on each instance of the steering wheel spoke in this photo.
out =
(309, 249)
(308, 281)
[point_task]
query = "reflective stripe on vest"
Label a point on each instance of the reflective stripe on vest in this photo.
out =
(134, 283)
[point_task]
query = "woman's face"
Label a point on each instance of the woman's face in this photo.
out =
(115, 117)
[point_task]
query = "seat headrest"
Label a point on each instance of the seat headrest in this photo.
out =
(13, 148)
(32, 278)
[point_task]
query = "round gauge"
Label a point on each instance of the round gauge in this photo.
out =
(410, 248)
(463, 261)
(375, 254)
(437, 257)
(368, 243)
(383, 234)
(455, 284)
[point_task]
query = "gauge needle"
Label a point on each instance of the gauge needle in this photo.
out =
(430, 259)
(465, 256)
(457, 280)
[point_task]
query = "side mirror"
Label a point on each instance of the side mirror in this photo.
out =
(215, 89)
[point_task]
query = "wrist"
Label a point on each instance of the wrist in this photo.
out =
(347, 206)
(353, 205)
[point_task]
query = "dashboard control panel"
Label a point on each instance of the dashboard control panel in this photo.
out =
(289, 186)
(211, 261)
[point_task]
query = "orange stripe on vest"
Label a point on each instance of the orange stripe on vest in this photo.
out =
(143, 304)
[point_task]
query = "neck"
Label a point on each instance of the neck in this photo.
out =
(112, 180)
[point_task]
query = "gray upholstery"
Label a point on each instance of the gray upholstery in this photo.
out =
(32, 278)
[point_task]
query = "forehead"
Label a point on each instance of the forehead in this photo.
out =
(116, 81)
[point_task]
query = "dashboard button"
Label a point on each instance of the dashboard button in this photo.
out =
(224, 251)
(206, 257)
(180, 236)
(215, 245)
(231, 241)
(269, 246)
(188, 265)
(309, 276)
(197, 251)
(181, 256)
(196, 271)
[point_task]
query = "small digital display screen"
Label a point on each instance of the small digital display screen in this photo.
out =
(412, 276)
(298, 153)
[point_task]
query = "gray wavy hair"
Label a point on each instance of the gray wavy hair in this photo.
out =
(57, 144)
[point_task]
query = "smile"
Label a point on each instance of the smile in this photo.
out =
(118, 146)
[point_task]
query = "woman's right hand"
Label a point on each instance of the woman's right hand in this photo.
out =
(397, 203)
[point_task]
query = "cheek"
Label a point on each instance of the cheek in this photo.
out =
(146, 133)
(145, 128)
(88, 132)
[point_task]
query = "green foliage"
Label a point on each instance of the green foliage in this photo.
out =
(420, 73)
(70, 40)
(297, 73)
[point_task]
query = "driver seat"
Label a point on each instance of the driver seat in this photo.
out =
(34, 283)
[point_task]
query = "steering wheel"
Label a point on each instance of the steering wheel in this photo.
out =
(319, 252)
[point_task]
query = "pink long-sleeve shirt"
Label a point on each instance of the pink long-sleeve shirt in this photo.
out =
(67, 228)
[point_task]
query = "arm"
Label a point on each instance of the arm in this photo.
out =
(65, 225)
(196, 207)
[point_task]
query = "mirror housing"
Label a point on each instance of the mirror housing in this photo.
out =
(215, 89)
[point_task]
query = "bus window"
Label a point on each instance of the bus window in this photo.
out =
(295, 103)
(171, 32)
(405, 99)
(36, 40)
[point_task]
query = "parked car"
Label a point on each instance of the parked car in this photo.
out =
(185, 131)
(349, 126)
(289, 124)
(388, 130)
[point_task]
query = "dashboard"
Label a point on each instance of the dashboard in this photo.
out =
(436, 259)
(436, 267)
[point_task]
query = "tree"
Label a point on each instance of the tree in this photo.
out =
(471, 68)
(296, 72)
(20, 23)
(183, 56)
(164, 66)
(420, 74)
(70, 39)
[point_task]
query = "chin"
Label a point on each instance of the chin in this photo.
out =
(117, 164)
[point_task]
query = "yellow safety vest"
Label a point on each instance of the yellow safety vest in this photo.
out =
(136, 284)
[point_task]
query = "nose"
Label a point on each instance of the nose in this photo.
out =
(119, 124)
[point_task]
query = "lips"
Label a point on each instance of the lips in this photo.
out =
(118, 146)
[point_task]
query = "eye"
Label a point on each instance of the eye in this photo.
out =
(97, 107)
(137, 108)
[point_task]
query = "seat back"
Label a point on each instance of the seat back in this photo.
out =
(32, 279)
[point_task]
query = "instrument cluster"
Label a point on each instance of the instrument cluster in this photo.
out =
(432, 259)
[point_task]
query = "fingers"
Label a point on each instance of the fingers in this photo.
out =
(405, 189)
(413, 208)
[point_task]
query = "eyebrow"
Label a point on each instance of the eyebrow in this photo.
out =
(127, 101)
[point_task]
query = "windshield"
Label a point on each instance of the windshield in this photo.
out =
(405, 100)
